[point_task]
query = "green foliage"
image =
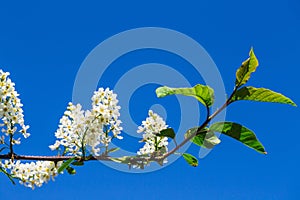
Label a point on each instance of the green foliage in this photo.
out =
(169, 132)
(11, 178)
(204, 94)
(261, 94)
(240, 133)
(65, 165)
(244, 72)
(71, 170)
(190, 159)
(78, 163)
(205, 138)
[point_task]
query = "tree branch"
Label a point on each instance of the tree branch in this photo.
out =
(51, 158)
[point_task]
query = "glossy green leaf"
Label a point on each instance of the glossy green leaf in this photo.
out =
(205, 138)
(169, 132)
(202, 93)
(240, 133)
(71, 170)
(65, 165)
(244, 72)
(190, 159)
(261, 94)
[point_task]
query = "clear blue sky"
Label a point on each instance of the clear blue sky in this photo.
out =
(44, 44)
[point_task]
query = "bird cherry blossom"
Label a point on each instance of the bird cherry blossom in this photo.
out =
(32, 174)
(11, 112)
(91, 129)
(150, 127)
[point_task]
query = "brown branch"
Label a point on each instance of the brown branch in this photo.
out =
(51, 158)
(130, 160)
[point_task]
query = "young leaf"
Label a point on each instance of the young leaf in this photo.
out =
(240, 133)
(204, 94)
(65, 165)
(261, 94)
(71, 170)
(169, 132)
(205, 138)
(190, 159)
(244, 72)
(8, 175)
(78, 163)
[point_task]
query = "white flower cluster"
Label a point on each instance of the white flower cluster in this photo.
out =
(32, 174)
(79, 129)
(150, 127)
(11, 111)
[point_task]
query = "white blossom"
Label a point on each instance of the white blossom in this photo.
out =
(11, 112)
(71, 130)
(32, 174)
(150, 127)
(92, 129)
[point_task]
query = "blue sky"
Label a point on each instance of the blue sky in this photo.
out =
(43, 45)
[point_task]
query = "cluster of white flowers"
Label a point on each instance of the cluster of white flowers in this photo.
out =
(71, 130)
(11, 112)
(150, 127)
(79, 129)
(32, 174)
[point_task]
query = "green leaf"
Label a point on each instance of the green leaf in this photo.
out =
(169, 132)
(208, 140)
(240, 133)
(205, 138)
(244, 72)
(261, 94)
(11, 178)
(65, 165)
(71, 170)
(78, 163)
(190, 159)
(202, 93)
